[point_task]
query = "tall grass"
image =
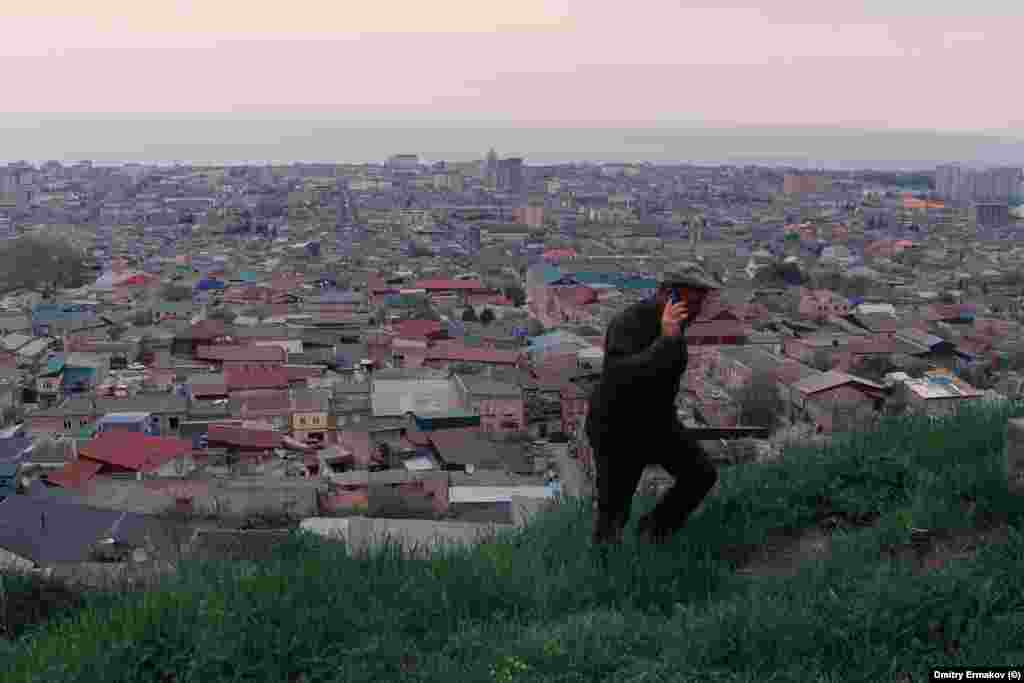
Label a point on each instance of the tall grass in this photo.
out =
(539, 604)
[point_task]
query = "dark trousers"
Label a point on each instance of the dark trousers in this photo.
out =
(620, 463)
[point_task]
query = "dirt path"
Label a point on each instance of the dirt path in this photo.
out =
(784, 555)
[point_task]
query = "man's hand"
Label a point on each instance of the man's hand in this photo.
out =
(672, 319)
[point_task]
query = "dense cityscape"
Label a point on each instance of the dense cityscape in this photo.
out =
(226, 349)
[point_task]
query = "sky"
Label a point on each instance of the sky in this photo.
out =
(934, 65)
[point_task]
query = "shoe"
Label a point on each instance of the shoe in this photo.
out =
(649, 532)
(607, 539)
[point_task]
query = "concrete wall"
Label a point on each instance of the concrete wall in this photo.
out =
(416, 536)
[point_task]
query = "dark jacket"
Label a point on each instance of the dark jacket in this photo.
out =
(640, 380)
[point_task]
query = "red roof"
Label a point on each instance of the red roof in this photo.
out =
(208, 329)
(376, 283)
(419, 329)
(135, 451)
(242, 354)
(872, 345)
(469, 354)
(278, 404)
(580, 295)
(204, 387)
(444, 439)
(443, 284)
(75, 474)
(255, 378)
(246, 437)
(716, 328)
(300, 372)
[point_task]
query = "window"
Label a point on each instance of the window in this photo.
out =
(82, 422)
(173, 422)
(68, 424)
(302, 421)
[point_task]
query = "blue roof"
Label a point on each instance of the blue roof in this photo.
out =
(54, 364)
(53, 313)
(547, 273)
(72, 375)
(209, 283)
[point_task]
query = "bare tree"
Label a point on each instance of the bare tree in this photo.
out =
(759, 401)
(822, 360)
(42, 264)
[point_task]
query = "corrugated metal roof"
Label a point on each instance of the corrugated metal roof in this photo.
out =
(396, 398)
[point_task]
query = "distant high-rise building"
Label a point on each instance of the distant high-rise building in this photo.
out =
(511, 175)
(404, 163)
(990, 214)
(490, 169)
(959, 184)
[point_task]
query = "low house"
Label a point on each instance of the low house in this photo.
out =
(35, 351)
(139, 423)
(11, 323)
(67, 419)
(716, 332)
(309, 412)
(205, 332)
(83, 372)
(14, 341)
(248, 378)
(500, 405)
(270, 407)
(166, 410)
(444, 357)
(203, 386)
(818, 304)
(467, 449)
(247, 440)
(396, 393)
(138, 455)
(250, 354)
(836, 400)
(938, 394)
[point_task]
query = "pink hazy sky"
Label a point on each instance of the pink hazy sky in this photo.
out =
(936, 65)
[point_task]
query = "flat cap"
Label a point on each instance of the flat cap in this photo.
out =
(687, 275)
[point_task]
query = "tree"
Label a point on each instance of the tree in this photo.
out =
(42, 264)
(486, 316)
(516, 294)
(176, 292)
(759, 401)
(222, 314)
(822, 360)
(873, 368)
(469, 315)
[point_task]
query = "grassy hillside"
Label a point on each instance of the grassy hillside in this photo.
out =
(540, 605)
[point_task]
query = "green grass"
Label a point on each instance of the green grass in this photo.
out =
(537, 605)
